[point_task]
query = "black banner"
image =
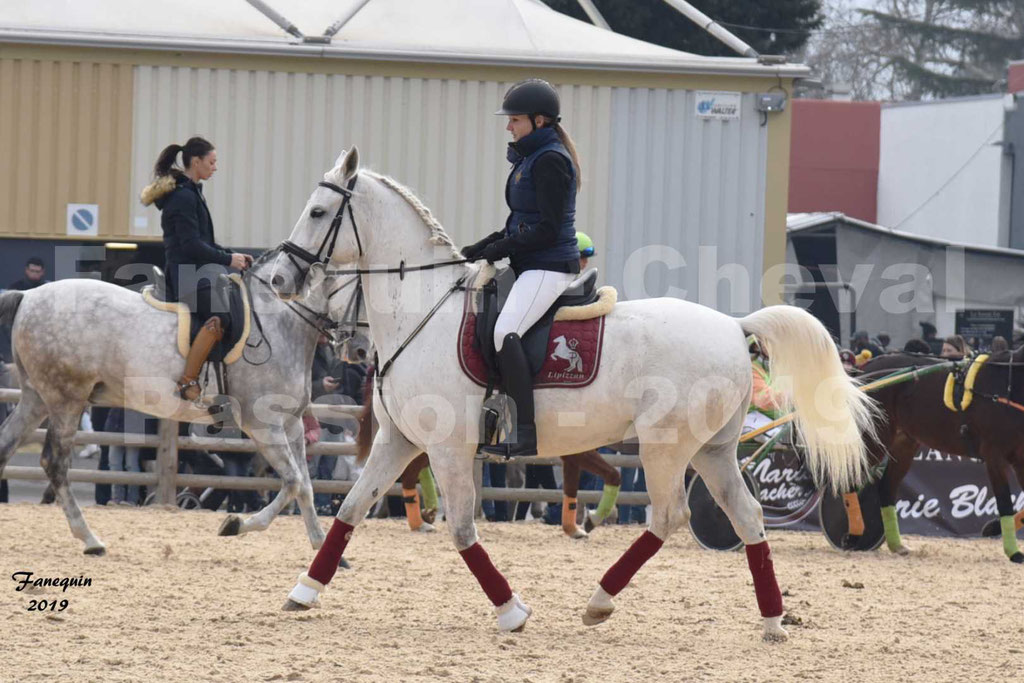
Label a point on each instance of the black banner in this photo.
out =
(942, 495)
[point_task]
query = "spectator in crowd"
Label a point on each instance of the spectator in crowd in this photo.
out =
(955, 347)
(334, 382)
(849, 361)
(35, 275)
(537, 476)
(884, 340)
(125, 458)
(632, 481)
(928, 332)
(917, 346)
(85, 425)
(862, 342)
(6, 382)
(999, 344)
(765, 401)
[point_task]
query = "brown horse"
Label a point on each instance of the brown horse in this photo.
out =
(914, 412)
(590, 461)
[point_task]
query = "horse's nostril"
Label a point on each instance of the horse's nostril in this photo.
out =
(277, 281)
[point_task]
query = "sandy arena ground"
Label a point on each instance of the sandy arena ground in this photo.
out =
(171, 601)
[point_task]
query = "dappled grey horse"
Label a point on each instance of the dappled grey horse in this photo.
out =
(78, 342)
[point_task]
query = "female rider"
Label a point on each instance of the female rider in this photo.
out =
(192, 256)
(539, 239)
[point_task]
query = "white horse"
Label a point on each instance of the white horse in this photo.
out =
(675, 374)
(78, 342)
(566, 352)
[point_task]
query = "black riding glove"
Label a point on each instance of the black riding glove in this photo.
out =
(474, 251)
(496, 251)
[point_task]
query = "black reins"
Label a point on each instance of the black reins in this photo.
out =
(350, 318)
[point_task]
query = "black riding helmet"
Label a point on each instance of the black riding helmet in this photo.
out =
(531, 97)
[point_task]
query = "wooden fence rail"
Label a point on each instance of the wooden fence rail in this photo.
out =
(167, 480)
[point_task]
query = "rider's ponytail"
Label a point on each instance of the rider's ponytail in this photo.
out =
(165, 162)
(570, 147)
(195, 148)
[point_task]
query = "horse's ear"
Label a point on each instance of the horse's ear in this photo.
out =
(349, 163)
(341, 158)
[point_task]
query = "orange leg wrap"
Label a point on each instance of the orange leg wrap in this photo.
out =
(569, 515)
(412, 508)
(853, 514)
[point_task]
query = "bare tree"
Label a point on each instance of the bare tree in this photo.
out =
(916, 49)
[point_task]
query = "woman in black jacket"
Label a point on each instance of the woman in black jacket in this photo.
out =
(192, 257)
(539, 239)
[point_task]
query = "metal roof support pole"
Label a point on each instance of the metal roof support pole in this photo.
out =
(595, 15)
(272, 14)
(344, 19)
(712, 27)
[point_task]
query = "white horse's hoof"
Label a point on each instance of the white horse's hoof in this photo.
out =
(575, 533)
(425, 528)
(98, 550)
(305, 595)
(773, 631)
(901, 549)
(512, 615)
(231, 526)
(599, 608)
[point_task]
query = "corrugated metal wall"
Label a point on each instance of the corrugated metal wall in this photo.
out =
(655, 175)
(686, 199)
(276, 133)
(64, 138)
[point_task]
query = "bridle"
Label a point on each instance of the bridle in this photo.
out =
(326, 250)
(323, 256)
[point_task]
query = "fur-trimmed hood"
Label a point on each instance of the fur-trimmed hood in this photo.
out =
(158, 189)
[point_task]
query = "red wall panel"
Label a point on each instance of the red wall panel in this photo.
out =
(834, 157)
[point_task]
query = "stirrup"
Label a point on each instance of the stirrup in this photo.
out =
(185, 386)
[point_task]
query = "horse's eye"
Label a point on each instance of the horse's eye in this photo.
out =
(316, 213)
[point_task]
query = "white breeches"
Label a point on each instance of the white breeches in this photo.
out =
(531, 296)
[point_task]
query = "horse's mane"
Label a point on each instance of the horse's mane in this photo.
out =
(437, 233)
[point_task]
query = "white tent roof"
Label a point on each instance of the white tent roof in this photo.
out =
(521, 32)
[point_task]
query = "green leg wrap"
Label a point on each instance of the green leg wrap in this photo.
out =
(1009, 535)
(892, 528)
(608, 498)
(429, 489)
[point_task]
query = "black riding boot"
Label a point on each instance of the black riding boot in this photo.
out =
(518, 385)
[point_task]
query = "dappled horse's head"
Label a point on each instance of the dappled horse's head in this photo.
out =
(323, 233)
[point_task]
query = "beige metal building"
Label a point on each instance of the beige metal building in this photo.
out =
(92, 90)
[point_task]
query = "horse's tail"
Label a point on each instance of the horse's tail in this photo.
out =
(9, 303)
(364, 437)
(832, 414)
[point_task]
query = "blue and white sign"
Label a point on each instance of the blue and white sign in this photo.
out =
(83, 220)
(718, 105)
